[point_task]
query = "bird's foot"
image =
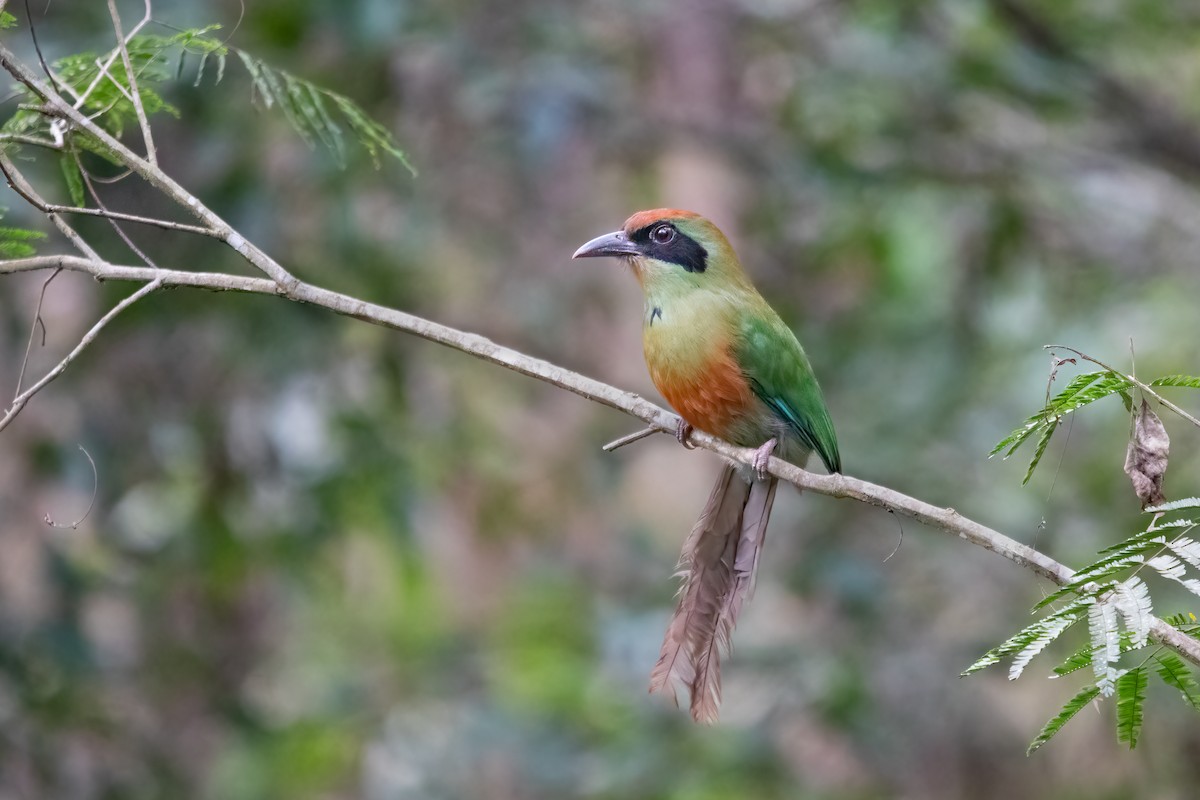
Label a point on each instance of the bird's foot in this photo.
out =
(682, 432)
(762, 458)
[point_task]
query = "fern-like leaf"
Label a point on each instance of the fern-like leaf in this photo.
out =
(1048, 634)
(1184, 620)
(1188, 549)
(73, 177)
(1106, 645)
(1189, 381)
(18, 242)
(1175, 673)
(1083, 657)
(1040, 450)
(1069, 710)
(317, 114)
(1131, 696)
(7, 20)
(1031, 634)
(1082, 390)
(303, 105)
(1131, 598)
(1131, 553)
(1173, 569)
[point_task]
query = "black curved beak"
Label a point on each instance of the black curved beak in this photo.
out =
(610, 244)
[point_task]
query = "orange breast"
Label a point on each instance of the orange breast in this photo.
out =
(711, 396)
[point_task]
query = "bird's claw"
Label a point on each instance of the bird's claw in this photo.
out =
(762, 459)
(682, 432)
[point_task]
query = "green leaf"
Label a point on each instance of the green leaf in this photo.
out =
(1083, 657)
(1082, 390)
(1189, 381)
(1127, 399)
(1132, 552)
(1040, 451)
(74, 178)
(1175, 673)
(1032, 634)
(1131, 695)
(1068, 711)
(371, 134)
(18, 242)
(1184, 620)
(1048, 634)
(304, 106)
(7, 20)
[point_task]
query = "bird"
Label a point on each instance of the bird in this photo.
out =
(726, 362)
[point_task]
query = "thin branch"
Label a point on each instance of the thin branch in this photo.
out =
(37, 319)
(112, 57)
(36, 141)
(26, 191)
(143, 120)
(165, 224)
(41, 58)
(116, 226)
(151, 174)
(22, 187)
(658, 418)
(88, 338)
(636, 436)
(1144, 387)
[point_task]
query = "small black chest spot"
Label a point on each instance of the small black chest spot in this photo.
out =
(657, 312)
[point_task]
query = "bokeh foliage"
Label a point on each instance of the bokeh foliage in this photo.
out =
(329, 561)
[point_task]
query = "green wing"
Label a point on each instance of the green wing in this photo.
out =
(779, 373)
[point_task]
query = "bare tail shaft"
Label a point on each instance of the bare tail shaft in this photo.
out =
(718, 566)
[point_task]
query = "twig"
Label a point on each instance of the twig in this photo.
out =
(165, 224)
(112, 57)
(151, 174)
(23, 398)
(143, 120)
(636, 436)
(116, 226)
(91, 503)
(42, 59)
(22, 187)
(1144, 387)
(26, 191)
(37, 318)
(657, 418)
(21, 138)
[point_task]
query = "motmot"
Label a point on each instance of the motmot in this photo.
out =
(725, 361)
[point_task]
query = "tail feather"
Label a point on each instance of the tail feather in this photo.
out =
(704, 567)
(718, 566)
(751, 532)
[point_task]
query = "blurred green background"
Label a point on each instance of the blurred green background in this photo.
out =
(327, 560)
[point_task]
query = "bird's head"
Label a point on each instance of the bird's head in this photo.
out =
(669, 248)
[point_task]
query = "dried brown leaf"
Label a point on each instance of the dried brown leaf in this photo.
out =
(1146, 458)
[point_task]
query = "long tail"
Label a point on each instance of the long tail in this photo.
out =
(718, 566)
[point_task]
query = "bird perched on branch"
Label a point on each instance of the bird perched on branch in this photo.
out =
(729, 365)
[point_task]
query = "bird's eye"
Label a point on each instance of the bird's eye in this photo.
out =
(662, 234)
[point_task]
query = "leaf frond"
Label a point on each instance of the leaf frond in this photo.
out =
(1131, 697)
(1082, 390)
(1176, 674)
(1031, 634)
(1065, 715)
(1188, 381)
